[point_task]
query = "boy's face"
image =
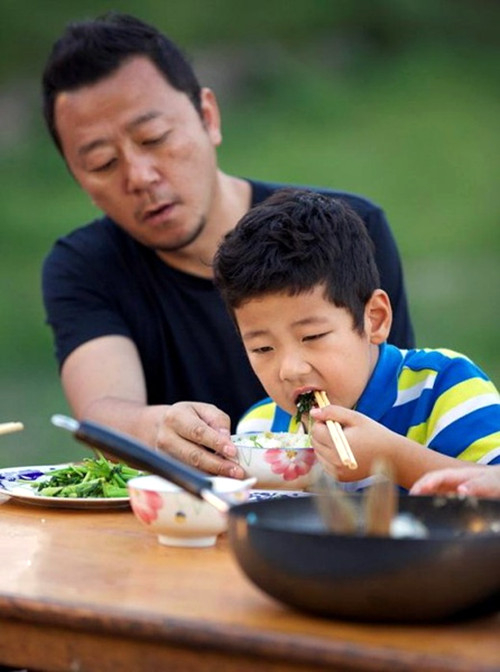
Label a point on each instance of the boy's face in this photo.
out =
(303, 342)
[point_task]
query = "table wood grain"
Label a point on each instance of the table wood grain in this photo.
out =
(94, 591)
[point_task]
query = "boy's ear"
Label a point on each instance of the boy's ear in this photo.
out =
(378, 316)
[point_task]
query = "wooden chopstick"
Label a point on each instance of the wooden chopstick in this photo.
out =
(380, 500)
(8, 427)
(337, 434)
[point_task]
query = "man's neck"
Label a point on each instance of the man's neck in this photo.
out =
(231, 201)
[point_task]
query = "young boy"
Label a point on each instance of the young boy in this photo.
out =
(299, 277)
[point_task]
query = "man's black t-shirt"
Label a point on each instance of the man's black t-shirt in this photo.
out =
(98, 281)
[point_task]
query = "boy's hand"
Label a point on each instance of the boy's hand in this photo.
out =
(370, 440)
(367, 438)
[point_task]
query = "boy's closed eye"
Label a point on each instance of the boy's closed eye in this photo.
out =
(262, 349)
(313, 337)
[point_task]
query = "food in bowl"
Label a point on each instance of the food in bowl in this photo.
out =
(177, 517)
(278, 460)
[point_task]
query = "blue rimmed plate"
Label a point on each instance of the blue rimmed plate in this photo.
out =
(16, 482)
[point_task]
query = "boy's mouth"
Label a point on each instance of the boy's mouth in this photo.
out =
(304, 402)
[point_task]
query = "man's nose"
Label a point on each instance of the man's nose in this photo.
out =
(140, 172)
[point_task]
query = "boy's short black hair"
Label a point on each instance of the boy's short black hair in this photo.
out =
(90, 50)
(293, 241)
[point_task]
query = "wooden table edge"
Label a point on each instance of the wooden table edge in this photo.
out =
(296, 652)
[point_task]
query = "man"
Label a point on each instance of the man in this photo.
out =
(142, 337)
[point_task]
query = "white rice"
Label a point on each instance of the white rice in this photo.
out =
(272, 440)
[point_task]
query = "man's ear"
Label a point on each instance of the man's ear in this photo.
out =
(211, 116)
(378, 316)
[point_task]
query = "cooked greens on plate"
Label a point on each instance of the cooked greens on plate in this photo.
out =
(93, 477)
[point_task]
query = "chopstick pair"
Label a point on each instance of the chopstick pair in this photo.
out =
(338, 437)
(8, 427)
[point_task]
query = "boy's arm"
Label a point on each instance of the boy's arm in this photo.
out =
(369, 440)
(461, 427)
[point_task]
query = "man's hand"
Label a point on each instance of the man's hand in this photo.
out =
(104, 382)
(475, 480)
(199, 435)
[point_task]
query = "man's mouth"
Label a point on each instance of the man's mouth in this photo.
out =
(152, 214)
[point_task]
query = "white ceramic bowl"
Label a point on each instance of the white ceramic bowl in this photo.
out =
(278, 460)
(177, 517)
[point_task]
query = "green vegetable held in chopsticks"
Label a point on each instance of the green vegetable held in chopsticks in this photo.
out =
(304, 404)
(94, 477)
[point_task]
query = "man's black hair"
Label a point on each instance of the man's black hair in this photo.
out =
(91, 50)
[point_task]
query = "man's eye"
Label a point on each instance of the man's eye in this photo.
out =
(158, 139)
(103, 166)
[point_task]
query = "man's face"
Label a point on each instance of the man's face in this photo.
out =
(304, 342)
(141, 151)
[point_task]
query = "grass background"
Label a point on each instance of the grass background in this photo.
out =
(396, 101)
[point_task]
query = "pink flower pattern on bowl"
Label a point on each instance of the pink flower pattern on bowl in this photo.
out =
(146, 505)
(178, 518)
(291, 464)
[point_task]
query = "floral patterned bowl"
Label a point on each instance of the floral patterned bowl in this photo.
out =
(279, 460)
(177, 517)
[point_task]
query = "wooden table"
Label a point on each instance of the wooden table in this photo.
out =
(94, 591)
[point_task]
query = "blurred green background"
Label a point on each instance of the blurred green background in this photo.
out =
(398, 100)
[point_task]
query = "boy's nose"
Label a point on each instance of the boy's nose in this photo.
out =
(293, 366)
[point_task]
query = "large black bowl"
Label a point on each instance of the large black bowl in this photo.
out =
(284, 548)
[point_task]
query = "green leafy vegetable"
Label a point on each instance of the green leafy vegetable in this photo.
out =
(253, 439)
(94, 477)
(304, 404)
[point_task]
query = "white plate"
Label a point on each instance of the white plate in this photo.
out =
(10, 486)
(262, 495)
